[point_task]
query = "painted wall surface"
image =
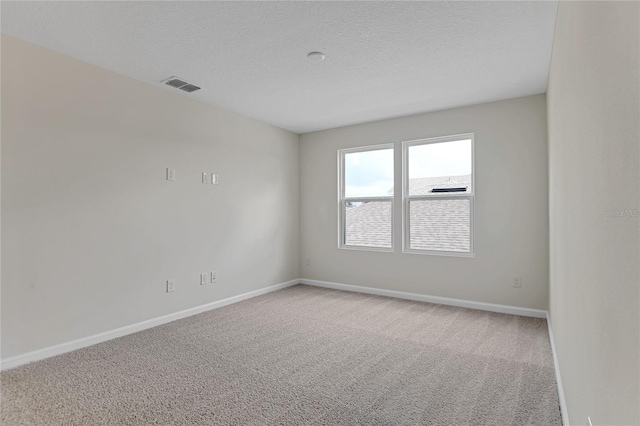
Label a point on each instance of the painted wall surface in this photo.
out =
(594, 182)
(91, 228)
(511, 207)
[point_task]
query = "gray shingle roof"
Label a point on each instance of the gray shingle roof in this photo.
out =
(440, 225)
(435, 224)
(369, 225)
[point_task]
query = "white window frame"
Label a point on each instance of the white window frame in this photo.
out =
(342, 200)
(406, 198)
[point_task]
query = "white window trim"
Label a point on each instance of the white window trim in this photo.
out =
(406, 198)
(342, 199)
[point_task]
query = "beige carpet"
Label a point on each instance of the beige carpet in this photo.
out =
(303, 356)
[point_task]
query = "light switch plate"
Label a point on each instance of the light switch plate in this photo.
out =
(171, 286)
(204, 177)
(171, 174)
(214, 178)
(204, 279)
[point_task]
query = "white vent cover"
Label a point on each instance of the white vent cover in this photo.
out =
(181, 84)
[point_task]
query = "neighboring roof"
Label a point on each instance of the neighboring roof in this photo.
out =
(369, 224)
(436, 224)
(440, 225)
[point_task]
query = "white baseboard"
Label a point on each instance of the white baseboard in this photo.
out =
(73, 345)
(505, 309)
(563, 402)
(40, 354)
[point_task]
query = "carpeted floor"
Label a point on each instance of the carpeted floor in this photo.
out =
(301, 356)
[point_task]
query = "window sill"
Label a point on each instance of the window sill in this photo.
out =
(440, 253)
(365, 248)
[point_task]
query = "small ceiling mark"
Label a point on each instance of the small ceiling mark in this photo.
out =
(316, 56)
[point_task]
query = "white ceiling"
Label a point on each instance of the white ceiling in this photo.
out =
(384, 59)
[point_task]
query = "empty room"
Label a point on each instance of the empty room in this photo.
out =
(320, 213)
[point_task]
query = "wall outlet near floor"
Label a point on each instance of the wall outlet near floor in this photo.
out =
(214, 277)
(171, 286)
(517, 282)
(204, 177)
(204, 279)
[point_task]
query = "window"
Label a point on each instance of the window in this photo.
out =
(438, 195)
(366, 197)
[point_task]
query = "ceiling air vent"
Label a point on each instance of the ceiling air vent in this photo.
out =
(179, 83)
(189, 88)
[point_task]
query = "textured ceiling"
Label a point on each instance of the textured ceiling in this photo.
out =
(384, 59)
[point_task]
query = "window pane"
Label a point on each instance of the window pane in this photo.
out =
(368, 173)
(442, 225)
(443, 167)
(368, 224)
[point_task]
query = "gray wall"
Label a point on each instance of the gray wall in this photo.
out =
(593, 107)
(511, 207)
(91, 228)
